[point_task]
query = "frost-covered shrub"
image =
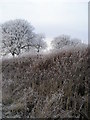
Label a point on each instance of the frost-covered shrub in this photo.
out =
(50, 87)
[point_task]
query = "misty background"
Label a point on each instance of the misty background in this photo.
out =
(51, 17)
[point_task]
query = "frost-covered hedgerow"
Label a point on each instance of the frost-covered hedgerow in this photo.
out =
(53, 86)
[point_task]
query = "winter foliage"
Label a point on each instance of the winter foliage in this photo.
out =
(64, 41)
(18, 36)
(52, 86)
(39, 42)
(39, 85)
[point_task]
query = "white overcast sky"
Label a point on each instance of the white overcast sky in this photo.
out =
(52, 17)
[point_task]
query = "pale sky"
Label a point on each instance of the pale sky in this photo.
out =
(51, 17)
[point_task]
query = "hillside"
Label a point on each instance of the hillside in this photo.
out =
(53, 86)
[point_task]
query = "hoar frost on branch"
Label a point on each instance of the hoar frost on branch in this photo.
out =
(64, 41)
(16, 36)
(39, 43)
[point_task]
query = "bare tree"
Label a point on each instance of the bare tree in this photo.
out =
(64, 40)
(16, 35)
(39, 42)
(75, 41)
